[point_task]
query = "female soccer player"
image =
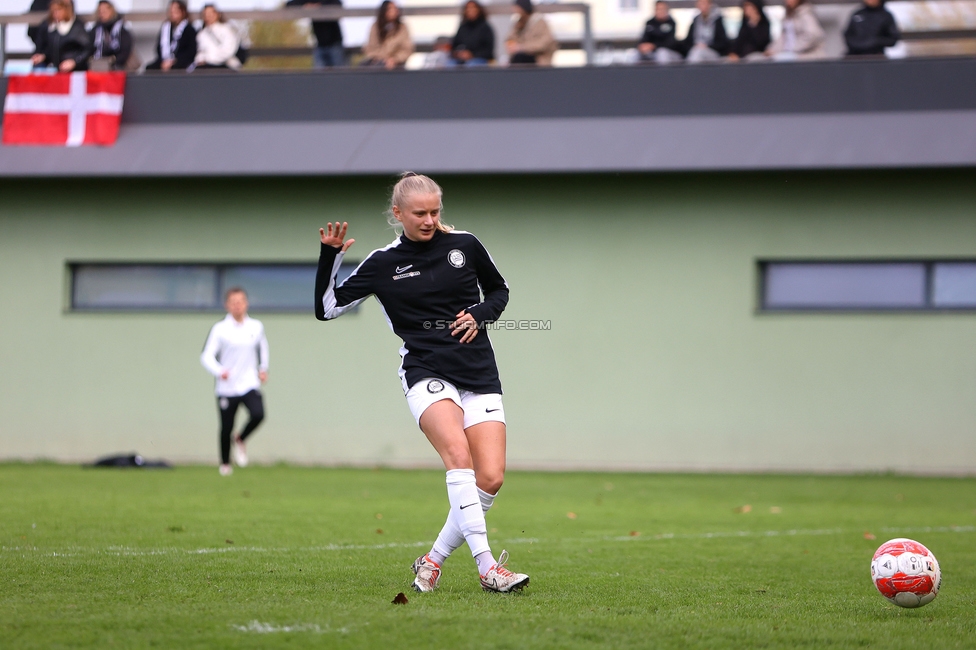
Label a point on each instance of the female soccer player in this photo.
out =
(427, 282)
(236, 353)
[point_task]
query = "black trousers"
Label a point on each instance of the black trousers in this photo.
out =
(227, 406)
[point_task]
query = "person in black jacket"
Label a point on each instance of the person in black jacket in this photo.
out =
(111, 41)
(658, 43)
(753, 35)
(474, 43)
(328, 51)
(63, 42)
(872, 28)
(438, 288)
(176, 47)
(706, 39)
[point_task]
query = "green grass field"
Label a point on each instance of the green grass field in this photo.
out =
(303, 557)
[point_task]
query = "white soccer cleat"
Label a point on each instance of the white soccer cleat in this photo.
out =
(226, 470)
(428, 574)
(240, 452)
(501, 579)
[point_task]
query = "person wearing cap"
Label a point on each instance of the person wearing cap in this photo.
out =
(753, 37)
(658, 43)
(871, 29)
(530, 41)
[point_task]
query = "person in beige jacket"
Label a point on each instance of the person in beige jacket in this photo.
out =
(389, 43)
(802, 36)
(530, 41)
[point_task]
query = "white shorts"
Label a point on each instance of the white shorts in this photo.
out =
(477, 407)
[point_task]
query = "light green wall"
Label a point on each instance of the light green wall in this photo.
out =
(656, 357)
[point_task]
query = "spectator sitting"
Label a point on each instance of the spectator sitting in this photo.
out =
(176, 47)
(802, 36)
(872, 28)
(659, 44)
(34, 31)
(63, 42)
(217, 42)
(530, 41)
(111, 41)
(474, 43)
(440, 56)
(753, 37)
(389, 43)
(706, 39)
(328, 50)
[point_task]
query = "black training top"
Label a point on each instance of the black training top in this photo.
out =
(422, 286)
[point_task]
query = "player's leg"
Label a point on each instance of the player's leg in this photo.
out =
(227, 407)
(484, 427)
(254, 403)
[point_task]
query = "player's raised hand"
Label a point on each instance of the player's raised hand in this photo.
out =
(334, 234)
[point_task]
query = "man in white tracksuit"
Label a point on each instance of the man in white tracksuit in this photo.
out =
(236, 353)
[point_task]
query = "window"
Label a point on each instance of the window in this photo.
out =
(271, 287)
(867, 285)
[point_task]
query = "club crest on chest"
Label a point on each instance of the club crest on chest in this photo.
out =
(456, 258)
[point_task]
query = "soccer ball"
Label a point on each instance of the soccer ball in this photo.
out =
(906, 573)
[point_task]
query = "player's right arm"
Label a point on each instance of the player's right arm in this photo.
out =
(209, 355)
(331, 301)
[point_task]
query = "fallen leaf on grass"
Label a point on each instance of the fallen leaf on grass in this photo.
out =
(571, 515)
(742, 509)
(868, 535)
(400, 599)
(229, 541)
(635, 533)
(379, 515)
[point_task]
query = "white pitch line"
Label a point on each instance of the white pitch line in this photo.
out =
(123, 551)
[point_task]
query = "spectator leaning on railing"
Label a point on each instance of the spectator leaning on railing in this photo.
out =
(706, 39)
(753, 37)
(62, 41)
(328, 51)
(530, 41)
(176, 47)
(659, 43)
(872, 28)
(111, 41)
(474, 43)
(217, 42)
(389, 43)
(802, 37)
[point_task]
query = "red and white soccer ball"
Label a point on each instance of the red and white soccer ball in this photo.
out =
(906, 573)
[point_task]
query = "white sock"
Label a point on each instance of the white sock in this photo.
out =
(485, 561)
(450, 537)
(466, 509)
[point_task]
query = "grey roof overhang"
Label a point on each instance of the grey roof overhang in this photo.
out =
(810, 115)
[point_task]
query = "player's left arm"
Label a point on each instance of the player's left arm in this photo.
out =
(263, 357)
(495, 292)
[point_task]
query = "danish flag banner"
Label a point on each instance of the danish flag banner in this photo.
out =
(64, 109)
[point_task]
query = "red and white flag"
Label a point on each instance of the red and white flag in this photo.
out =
(64, 109)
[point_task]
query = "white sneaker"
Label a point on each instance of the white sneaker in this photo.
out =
(240, 452)
(501, 579)
(226, 470)
(428, 574)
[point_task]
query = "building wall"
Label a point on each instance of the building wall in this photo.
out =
(656, 356)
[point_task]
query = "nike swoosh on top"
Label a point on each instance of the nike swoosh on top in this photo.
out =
(491, 410)
(468, 506)
(402, 269)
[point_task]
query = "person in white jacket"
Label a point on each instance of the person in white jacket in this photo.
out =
(236, 353)
(217, 42)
